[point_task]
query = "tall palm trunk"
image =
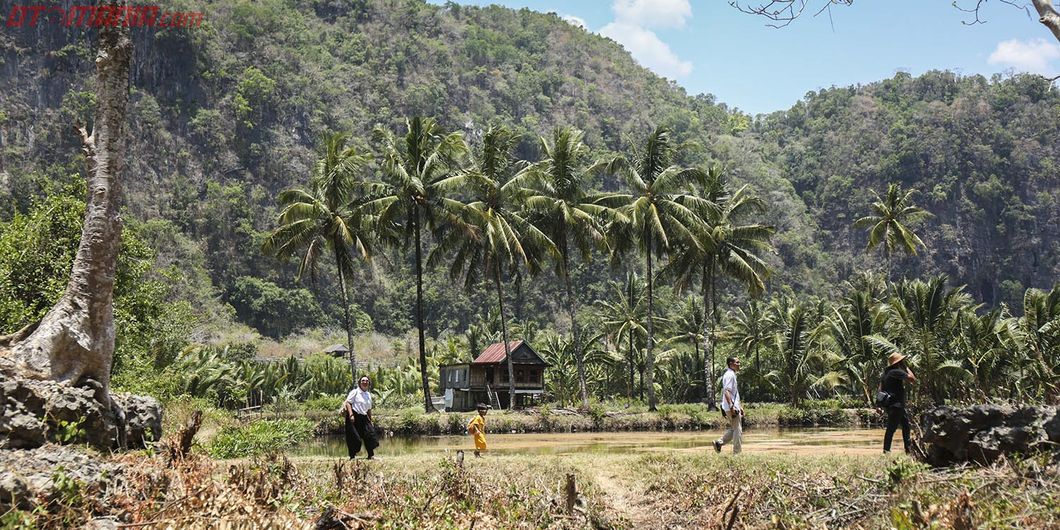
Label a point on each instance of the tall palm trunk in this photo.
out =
(758, 365)
(695, 345)
(650, 355)
(346, 315)
(758, 379)
(632, 381)
(708, 333)
(519, 313)
(427, 405)
(75, 340)
(716, 317)
(504, 336)
(579, 356)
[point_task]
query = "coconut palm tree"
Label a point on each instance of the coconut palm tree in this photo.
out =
(922, 318)
(503, 239)
(1038, 334)
(687, 328)
(849, 327)
(328, 215)
(624, 318)
(658, 215)
(573, 218)
(983, 344)
(411, 197)
(750, 328)
(562, 358)
(890, 222)
(728, 247)
(802, 361)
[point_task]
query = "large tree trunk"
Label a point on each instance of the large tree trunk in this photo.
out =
(427, 405)
(1049, 16)
(650, 355)
(504, 337)
(75, 340)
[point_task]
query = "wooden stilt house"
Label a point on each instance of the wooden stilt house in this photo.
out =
(485, 379)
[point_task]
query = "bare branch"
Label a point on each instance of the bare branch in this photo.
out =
(785, 11)
(973, 10)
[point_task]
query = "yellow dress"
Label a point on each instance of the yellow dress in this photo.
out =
(477, 426)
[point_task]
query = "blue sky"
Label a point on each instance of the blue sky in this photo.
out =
(707, 46)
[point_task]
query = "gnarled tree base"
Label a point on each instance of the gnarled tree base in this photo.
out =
(65, 345)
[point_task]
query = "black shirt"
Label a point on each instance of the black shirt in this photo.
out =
(894, 384)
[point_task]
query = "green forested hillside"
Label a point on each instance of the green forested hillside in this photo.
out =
(224, 117)
(984, 156)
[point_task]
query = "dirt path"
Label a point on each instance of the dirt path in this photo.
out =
(626, 505)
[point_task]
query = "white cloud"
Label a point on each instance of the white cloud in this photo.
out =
(647, 49)
(1034, 56)
(576, 21)
(652, 13)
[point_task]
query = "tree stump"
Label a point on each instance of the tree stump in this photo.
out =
(180, 449)
(571, 493)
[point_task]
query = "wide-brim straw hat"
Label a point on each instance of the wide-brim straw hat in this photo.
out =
(895, 358)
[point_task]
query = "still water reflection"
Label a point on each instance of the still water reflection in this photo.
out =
(787, 441)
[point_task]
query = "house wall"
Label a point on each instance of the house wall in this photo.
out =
(526, 376)
(454, 376)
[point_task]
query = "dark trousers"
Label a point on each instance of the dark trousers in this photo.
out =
(896, 417)
(359, 431)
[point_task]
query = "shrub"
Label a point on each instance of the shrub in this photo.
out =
(260, 437)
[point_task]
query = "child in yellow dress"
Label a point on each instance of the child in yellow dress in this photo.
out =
(477, 428)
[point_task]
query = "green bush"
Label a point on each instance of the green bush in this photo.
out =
(260, 437)
(325, 403)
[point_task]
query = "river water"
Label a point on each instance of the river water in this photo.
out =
(805, 441)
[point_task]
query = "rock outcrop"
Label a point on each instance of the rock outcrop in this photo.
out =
(37, 412)
(44, 474)
(983, 433)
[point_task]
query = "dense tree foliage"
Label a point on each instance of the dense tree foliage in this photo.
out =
(225, 118)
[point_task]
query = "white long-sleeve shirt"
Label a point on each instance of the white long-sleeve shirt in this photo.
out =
(728, 383)
(360, 400)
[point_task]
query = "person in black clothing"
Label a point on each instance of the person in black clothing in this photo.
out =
(359, 429)
(893, 382)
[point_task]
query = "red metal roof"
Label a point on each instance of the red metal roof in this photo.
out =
(494, 353)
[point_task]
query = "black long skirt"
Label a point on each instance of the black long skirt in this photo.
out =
(359, 431)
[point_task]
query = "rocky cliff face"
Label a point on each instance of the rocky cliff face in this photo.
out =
(984, 433)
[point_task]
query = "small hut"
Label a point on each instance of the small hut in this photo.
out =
(485, 379)
(337, 350)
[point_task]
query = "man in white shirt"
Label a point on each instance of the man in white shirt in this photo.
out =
(731, 408)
